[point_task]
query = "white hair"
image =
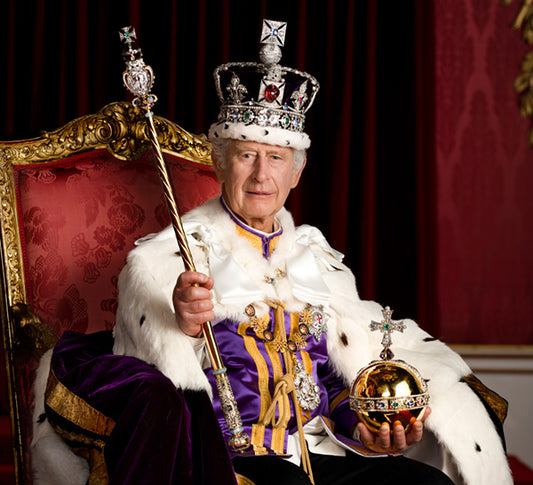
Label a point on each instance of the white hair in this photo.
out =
(221, 146)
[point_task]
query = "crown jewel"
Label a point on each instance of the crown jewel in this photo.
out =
(264, 95)
(388, 390)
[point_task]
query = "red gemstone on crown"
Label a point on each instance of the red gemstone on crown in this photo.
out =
(271, 93)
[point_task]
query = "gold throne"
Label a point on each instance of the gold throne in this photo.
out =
(73, 201)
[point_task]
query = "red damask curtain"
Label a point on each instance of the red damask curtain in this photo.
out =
(418, 167)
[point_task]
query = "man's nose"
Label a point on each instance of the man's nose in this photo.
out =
(261, 168)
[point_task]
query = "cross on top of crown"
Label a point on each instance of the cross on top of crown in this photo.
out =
(273, 32)
(387, 326)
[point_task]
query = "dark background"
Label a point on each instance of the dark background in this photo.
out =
(62, 59)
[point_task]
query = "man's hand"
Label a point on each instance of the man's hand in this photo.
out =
(192, 302)
(396, 442)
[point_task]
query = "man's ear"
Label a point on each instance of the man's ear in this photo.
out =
(296, 175)
(216, 165)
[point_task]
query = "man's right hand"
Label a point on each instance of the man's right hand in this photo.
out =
(193, 302)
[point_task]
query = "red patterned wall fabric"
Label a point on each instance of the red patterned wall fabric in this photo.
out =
(484, 171)
(80, 217)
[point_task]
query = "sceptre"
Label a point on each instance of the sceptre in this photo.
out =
(139, 79)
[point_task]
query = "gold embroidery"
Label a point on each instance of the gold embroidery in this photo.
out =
(79, 412)
(497, 403)
(278, 341)
(255, 240)
(307, 362)
(76, 410)
(306, 316)
(260, 450)
(75, 439)
(276, 362)
(259, 324)
(278, 439)
(340, 397)
(242, 480)
(98, 469)
(258, 429)
(262, 368)
(295, 335)
(276, 345)
(258, 438)
(278, 434)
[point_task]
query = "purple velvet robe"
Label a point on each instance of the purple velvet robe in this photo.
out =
(161, 434)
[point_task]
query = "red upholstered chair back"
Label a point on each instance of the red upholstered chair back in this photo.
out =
(73, 202)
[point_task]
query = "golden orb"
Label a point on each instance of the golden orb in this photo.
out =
(387, 391)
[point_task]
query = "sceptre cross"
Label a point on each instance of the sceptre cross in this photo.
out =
(387, 326)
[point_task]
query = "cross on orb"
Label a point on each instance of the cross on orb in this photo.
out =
(387, 326)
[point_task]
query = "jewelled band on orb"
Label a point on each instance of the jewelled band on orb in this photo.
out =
(407, 403)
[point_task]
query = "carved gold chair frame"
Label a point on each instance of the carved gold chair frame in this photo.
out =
(118, 128)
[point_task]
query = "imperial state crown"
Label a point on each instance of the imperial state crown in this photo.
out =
(264, 101)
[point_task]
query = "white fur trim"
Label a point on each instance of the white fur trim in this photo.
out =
(267, 134)
(158, 340)
(469, 448)
(53, 462)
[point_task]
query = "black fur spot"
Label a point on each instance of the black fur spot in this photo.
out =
(344, 339)
(216, 134)
(287, 142)
(226, 126)
(430, 339)
(143, 318)
(243, 137)
(478, 448)
(266, 132)
(42, 418)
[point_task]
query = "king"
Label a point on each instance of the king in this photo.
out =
(290, 325)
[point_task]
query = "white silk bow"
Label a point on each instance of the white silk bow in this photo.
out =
(233, 285)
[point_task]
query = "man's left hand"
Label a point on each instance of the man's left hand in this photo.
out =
(396, 442)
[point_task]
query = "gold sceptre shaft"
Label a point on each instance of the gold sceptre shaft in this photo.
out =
(139, 79)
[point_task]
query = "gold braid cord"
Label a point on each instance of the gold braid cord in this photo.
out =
(286, 386)
(524, 82)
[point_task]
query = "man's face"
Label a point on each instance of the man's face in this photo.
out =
(257, 180)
